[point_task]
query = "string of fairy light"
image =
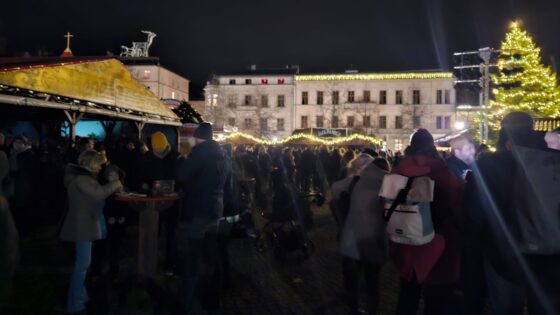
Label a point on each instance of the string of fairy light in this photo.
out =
(308, 137)
(375, 76)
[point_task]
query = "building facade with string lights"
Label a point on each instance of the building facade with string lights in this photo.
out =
(387, 105)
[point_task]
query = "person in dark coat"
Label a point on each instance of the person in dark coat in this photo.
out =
(129, 160)
(24, 172)
(4, 172)
(431, 269)
(334, 165)
(263, 178)
(114, 220)
(9, 250)
(3, 146)
(306, 169)
(204, 174)
(489, 198)
(472, 280)
(288, 163)
(322, 173)
(462, 157)
(161, 164)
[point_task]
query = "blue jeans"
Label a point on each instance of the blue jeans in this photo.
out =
(77, 294)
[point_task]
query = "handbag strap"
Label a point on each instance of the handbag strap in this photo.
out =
(401, 197)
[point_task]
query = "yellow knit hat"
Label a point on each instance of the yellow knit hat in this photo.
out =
(159, 141)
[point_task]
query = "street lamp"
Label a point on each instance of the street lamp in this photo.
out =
(460, 125)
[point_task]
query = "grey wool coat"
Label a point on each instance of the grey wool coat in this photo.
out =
(85, 199)
(363, 234)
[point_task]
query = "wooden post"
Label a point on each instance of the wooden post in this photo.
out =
(73, 119)
(139, 125)
(108, 126)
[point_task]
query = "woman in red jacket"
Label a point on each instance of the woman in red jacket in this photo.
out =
(433, 268)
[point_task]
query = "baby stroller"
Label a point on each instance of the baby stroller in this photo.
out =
(290, 220)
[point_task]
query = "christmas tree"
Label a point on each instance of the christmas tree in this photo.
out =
(187, 113)
(523, 83)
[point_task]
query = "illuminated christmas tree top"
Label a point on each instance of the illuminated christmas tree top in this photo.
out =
(523, 82)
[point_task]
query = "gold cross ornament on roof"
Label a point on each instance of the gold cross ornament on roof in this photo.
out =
(67, 52)
(68, 36)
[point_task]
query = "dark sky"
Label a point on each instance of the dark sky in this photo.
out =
(199, 38)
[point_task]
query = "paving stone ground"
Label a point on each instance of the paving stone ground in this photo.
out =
(261, 285)
(313, 286)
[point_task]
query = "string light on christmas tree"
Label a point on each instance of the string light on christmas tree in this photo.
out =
(523, 82)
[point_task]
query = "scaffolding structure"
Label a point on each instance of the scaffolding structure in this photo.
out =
(473, 67)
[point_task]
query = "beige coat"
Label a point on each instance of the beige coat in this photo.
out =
(363, 234)
(85, 199)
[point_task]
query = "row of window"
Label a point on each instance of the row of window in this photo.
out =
(442, 122)
(263, 124)
(351, 122)
(249, 100)
(263, 81)
(442, 97)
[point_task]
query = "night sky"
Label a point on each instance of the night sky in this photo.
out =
(199, 38)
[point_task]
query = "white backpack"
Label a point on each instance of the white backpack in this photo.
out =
(407, 208)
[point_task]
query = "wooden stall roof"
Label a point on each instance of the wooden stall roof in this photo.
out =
(92, 83)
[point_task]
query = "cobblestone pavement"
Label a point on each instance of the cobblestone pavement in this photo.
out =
(260, 284)
(313, 286)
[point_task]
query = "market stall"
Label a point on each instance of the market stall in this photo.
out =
(76, 89)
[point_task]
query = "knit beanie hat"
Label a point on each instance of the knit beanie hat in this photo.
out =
(159, 141)
(204, 131)
(422, 138)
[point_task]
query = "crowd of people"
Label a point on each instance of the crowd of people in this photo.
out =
(486, 243)
(492, 217)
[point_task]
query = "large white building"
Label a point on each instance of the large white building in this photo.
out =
(388, 105)
(164, 83)
(255, 102)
